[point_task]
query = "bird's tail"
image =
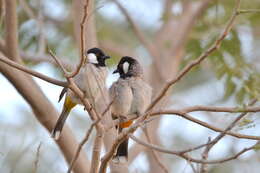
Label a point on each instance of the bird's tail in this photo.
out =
(122, 150)
(68, 105)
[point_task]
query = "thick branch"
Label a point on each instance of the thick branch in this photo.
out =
(11, 30)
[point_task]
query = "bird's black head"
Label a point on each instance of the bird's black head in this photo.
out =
(128, 67)
(97, 57)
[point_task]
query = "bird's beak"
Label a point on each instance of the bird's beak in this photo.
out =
(106, 57)
(116, 71)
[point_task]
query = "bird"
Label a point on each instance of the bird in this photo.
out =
(130, 96)
(90, 80)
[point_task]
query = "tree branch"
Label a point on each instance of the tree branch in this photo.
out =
(186, 157)
(249, 11)
(82, 39)
(204, 124)
(59, 63)
(220, 109)
(11, 40)
(36, 58)
(221, 135)
(36, 162)
(32, 72)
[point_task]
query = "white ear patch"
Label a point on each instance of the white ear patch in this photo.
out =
(92, 58)
(126, 67)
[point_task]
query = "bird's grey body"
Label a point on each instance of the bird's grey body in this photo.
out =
(131, 96)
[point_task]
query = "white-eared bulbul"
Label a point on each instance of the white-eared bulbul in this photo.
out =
(131, 96)
(91, 81)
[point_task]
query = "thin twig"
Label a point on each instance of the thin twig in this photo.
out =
(35, 58)
(82, 40)
(107, 108)
(220, 136)
(205, 124)
(32, 72)
(220, 109)
(57, 60)
(249, 11)
(36, 162)
(205, 155)
(186, 157)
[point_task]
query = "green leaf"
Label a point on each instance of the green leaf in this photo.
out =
(256, 147)
(230, 87)
(245, 122)
(240, 96)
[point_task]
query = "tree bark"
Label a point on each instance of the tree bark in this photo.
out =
(11, 30)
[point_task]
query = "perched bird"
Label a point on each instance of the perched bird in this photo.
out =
(130, 96)
(91, 81)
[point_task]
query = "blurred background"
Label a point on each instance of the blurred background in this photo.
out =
(175, 32)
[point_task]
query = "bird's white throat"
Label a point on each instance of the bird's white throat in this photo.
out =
(126, 67)
(92, 58)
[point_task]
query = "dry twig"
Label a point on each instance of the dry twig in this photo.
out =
(82, 40)
(186, 157)
(32, 72)
(36, 163)
(220, 136)
(205, 124)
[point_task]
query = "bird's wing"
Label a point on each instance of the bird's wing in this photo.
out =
(142, 94)
(91, 81)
